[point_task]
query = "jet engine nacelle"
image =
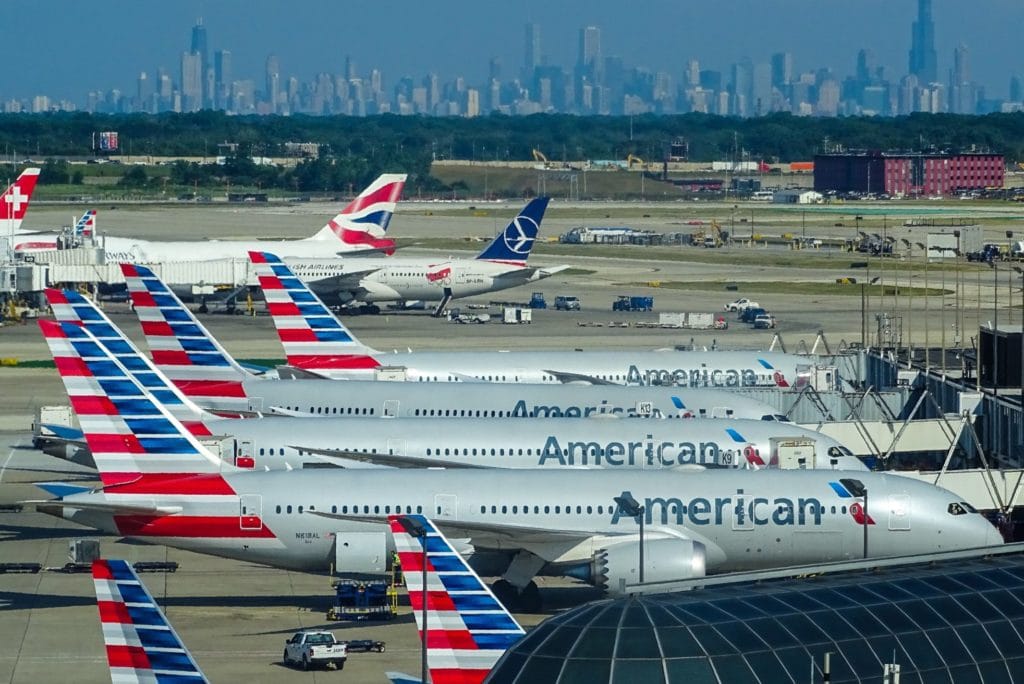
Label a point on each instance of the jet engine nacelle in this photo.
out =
(362, 553)
(664, 560)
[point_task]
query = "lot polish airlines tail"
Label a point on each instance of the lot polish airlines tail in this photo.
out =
(14, 201)
(182, 348)
(313, 338)
(72, 307)
(365, 220)
(467, 628)
(141, 644)
(514, 243)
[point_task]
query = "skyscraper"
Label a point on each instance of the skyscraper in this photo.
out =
(531, 53)
(923, 61)
(222, 78)
(590, 48)
(191, 81)
(273, 82)
(199, 48)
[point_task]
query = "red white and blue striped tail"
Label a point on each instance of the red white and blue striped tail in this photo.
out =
(132, 437)
(182, 348)
(362, 224)
(70, 306)
(313, 337)
(468, 629)
(141, 644)
(86, 225)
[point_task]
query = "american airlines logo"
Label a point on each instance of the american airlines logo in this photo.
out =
(516, 237)
(646, 452)
(743, 510)
(643, 408)
(695, 377)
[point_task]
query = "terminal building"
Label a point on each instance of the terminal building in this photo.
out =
(954, 618)
(908, 174)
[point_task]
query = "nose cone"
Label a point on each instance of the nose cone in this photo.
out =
(993, 537)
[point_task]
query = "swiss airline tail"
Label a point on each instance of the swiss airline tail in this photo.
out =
(14, 201)
(467, 628)
(363, 223)
(141, 644)
(313, 337)
(138, 446)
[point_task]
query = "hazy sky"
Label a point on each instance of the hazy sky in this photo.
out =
(64, 48)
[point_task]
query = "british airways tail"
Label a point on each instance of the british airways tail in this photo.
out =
(467, 628)
(135, 442)
(182, 348)
(313, 337)
(14, 201)
(514, 243)
(72, 307)
(363, 223)
(141, 644)
(86, 226)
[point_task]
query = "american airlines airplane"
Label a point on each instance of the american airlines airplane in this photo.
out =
(317, 342)
(310, 440)
(359, 227)
(501, 265)
(186, 353)
(159, 484)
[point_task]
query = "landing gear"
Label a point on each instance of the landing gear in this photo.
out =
(527, 600)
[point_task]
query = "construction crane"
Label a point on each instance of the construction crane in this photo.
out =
(541, 158)
(632, 159)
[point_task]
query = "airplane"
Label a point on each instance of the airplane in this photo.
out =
(316, 342)
(359, 227)
(159, 484)
(501, 265)
(468, 628)
(189, 355)
(423, 441)
(14, 201)
(141, 644)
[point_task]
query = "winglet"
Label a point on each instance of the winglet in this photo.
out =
(468, 629)
(362, 224)
(514, 243)
(313, 337)
(141, 644)
(15, 199)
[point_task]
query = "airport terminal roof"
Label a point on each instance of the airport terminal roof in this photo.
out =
(954, 620)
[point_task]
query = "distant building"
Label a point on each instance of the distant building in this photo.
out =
(797, 197)
(908, 174)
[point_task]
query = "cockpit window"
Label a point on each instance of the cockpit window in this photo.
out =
(781, 418)
(768, 416)
(957, 509)
(969, 507)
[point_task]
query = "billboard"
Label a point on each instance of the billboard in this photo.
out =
(108, 141)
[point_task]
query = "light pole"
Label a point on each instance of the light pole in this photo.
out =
(414, 528)
(995, 333)
(631, 507)
(927, 294)
(910, 301)
(1020, 271)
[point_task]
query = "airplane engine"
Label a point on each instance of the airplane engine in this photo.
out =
(664, 560)
(362, 553)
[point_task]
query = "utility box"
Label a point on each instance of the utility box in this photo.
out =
(792, 453)
(516, 314)
(81, 551)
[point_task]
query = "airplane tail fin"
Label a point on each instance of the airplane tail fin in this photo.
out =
(86, 226)
(467, 629)
(313, 337)
(132, 436)
(182, 348)
(362, 224)
(15, 199)
(141, 644)
(514, 243)
(72, 307)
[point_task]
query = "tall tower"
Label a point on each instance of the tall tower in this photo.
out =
(199, 48)
(273, 82)
(531, 52)
(923, 61)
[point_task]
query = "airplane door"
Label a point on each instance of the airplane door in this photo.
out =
(396, 447)
(742, 520)
(244, 454)
(250, 512)
(446, 506)
(256, 404)
(899, 512)
(391, 407)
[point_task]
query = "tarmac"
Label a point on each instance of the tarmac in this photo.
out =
(233, 616)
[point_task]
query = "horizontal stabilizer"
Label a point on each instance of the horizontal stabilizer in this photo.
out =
(62, 432)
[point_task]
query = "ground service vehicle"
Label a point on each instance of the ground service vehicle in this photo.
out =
(365, 645)
(537, 301)
(314, 648)
(749, 314)
(567, 303)
(633, 303)
(739, 304)
(764, 321)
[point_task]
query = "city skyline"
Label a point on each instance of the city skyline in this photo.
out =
(590, 53)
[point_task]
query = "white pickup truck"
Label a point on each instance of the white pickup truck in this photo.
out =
(314, 648)
(740, 304)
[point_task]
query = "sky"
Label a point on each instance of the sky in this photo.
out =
(65, 48)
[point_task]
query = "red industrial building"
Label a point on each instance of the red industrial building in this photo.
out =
(908, 174)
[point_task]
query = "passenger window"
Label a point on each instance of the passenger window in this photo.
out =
(288, 509)
(278, 509)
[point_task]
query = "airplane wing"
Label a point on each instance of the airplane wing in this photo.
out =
(342, 281)
(389, 460)
(567, 378)
(107, 506)
(548, 271)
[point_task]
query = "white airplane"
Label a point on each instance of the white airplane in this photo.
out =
(501, 265)
(359, 227)
(186, 353)
(316, 342)
(159, 484)
(141, 644)
(303, 440)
